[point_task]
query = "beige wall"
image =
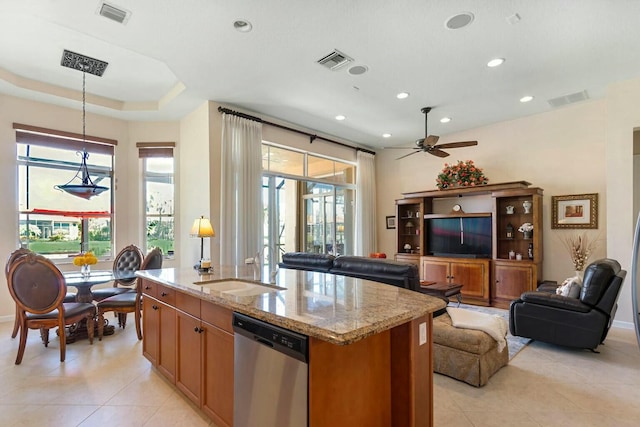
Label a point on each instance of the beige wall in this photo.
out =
(577, 149)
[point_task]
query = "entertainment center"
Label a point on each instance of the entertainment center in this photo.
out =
(474, 236)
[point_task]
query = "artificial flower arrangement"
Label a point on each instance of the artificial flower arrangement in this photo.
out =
(527, 227)
(87, 258)
(580, 248)
(461, 174)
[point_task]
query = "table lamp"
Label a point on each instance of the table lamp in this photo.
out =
(202, 228)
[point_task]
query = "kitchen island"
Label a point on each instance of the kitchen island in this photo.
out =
(370, 345)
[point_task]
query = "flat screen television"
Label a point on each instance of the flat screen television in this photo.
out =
(459, 236)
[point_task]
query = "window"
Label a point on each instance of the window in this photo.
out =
(309, 202)
(54, 223)
(158, 176)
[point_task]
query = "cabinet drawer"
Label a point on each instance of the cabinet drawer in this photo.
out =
(188, 304)
(217, 316)
(166, 295)
(149, 287)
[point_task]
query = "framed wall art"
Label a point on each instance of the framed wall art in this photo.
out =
(574, 211)
(391, 222)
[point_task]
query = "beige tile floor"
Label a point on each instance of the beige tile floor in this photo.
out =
(110, 383)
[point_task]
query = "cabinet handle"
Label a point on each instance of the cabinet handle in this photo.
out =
(497, 281)
(198, 330)
(155, 307)
(163, 294)
(147, 287)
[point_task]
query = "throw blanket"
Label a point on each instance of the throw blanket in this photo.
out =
(491, 324)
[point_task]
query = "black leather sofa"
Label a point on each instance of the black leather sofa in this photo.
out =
(572, 322)
(379, 270)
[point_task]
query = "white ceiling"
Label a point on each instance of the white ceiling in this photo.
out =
(173, 55)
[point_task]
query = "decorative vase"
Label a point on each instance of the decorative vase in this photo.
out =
(85, 270)
(527, 206)
(528, 234)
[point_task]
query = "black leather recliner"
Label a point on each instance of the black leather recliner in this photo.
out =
(572, 322)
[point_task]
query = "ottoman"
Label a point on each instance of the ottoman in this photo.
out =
(465, 354)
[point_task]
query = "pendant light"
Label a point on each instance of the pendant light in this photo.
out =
(86, 189)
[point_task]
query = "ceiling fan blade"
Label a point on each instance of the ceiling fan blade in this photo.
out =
(438, 152)
(431, 140)
(458, 144)
(407, 155)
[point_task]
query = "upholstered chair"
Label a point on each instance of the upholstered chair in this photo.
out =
(128, 302)
(38, 289)
(69, 297)
(126, 263)
(581, 322)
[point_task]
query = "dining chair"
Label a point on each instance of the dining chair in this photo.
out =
(69, 297)
(38, 288)
(128, 302)
(126, 263)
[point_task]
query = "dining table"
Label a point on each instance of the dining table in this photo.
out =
(83, 283)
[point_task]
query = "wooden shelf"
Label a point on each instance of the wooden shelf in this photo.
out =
(487, 188)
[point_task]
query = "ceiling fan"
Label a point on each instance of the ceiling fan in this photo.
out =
(428, 143)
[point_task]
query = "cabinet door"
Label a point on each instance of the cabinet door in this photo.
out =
(167, 341)
(151, 328)
(512, 280)
(432, 270)
(217, 399)
(472, 277)
(188, 371)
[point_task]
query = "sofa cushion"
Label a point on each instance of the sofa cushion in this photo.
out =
(307, 261)
(379, 270)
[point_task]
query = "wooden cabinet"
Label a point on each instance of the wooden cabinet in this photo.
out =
(217, 399)
(189, 347)
(159, 329)
(472, 274)
(191, 343)
(496, 281)
(511, 279)
(409, 228)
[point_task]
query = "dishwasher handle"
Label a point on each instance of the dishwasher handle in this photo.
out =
(279, 339)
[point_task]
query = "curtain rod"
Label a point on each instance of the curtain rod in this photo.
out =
(311, 136)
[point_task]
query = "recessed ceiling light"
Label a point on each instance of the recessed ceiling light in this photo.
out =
(242, 26)
(386, 135)
(459, 21)
(356, 70)
(445, 120)
(495, 62)
(340, 117)
(526, 98)
(402, 95)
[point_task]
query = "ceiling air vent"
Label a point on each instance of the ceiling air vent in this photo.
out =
(335, 60)
(114, 13)
(569, 99)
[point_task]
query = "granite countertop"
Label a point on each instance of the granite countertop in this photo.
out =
(334, 308)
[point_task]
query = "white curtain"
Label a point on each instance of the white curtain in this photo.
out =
(241, 233)
(365, 204)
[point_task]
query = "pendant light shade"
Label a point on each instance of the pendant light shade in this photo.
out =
(81, 184)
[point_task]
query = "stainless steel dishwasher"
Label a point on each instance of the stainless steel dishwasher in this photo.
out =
(270, 373)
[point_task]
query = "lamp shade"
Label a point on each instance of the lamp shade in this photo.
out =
(202, 228)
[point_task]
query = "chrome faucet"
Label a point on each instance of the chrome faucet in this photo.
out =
(257, 265)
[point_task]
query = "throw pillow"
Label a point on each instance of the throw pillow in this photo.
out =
(570, 287)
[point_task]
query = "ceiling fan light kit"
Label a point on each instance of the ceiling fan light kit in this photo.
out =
(429, 145)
